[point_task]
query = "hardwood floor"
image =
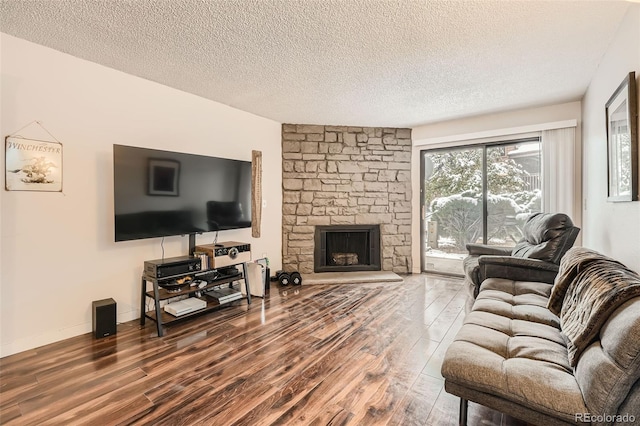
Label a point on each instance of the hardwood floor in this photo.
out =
(356, 354)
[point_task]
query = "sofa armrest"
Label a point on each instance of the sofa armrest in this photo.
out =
(517, 269)
(482, 249)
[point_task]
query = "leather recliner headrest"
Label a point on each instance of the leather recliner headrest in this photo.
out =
(547, 236)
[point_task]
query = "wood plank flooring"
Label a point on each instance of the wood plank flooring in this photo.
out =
(353, 354)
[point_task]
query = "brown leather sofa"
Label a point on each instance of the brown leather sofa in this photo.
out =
(546, 238)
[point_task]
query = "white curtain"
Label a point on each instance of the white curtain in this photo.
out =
(560, 185)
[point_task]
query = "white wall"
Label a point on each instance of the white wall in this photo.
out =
(611, 228)
(57, 249)
(466, 130)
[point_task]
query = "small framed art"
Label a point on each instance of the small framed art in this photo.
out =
(622, 142)
(164, 177)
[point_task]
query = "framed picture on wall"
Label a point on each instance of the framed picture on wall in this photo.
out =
(622, 142)
(32, 165)
(164, 177)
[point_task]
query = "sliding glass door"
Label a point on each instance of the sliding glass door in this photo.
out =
(476, 194)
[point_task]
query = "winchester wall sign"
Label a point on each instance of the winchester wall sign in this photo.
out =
(32, 165)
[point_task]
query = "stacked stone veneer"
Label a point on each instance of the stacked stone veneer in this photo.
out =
(337, 175)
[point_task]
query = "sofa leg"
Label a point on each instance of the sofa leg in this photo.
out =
(464, 404)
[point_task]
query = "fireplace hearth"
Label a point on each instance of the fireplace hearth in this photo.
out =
(344, 248)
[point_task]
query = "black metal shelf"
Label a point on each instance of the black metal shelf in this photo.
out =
(158, 294)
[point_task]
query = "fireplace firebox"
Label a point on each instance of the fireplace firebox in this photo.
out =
(343, 248)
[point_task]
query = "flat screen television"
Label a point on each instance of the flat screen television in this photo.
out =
(162, 193)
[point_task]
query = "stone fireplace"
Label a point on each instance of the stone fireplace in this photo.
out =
(345, 248)
(346, 176)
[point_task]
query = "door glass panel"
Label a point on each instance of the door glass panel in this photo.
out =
(455, 188)
(513, 190)
(452, 206)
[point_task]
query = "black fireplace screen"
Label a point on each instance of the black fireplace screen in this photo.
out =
(347, 248)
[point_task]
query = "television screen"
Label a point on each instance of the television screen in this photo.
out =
(161, 193)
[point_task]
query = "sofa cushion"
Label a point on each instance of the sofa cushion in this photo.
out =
(522, 300)
(508, 348)
(631, 404)
(518, 288)
(610, 366)
(547, 237)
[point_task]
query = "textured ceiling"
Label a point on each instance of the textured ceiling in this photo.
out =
(352, 62)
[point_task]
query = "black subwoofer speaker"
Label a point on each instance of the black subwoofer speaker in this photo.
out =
(104, 318)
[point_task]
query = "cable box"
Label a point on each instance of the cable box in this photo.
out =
(185, 306)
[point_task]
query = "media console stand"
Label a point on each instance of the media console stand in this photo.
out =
(158, 294)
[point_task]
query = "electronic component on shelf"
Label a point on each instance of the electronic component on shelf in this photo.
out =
(226, 253)
(225, 294)
(161, 268)
(185, 306)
